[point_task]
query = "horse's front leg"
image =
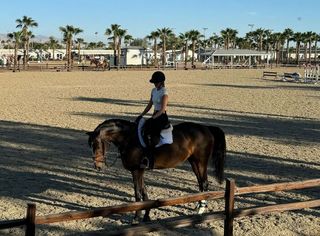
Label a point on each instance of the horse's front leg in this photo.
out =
(136, 175)
(146, 217)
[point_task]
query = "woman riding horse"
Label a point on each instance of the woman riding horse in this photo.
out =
(193, 142)
(159, 120)
(99, 63)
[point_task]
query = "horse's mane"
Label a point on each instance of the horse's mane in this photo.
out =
(118, 122)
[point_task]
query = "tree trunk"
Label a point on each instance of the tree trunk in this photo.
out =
(305, 52)
(79, 59)
(192, 58)
(309, 51)
(164, 53)
(155, 53)
(67, 45)
(287, 61)
(15, 57)
(24, 54)
(186, 56)
(69, 54)
(316, 51)
(114, 50)
(119, 54)
(298, 53)
(27, 56)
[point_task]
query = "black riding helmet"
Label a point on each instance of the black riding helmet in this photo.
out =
(157, 77)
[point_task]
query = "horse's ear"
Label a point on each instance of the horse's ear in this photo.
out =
(90, 138)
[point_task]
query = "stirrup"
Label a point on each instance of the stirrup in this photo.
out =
(144, 163)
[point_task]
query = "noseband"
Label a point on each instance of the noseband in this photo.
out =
(100, 158)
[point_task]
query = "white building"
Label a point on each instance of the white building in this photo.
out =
(236, 57)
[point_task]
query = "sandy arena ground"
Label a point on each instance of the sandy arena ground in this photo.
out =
(272, 130)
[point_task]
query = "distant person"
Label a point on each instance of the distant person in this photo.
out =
(159, 119)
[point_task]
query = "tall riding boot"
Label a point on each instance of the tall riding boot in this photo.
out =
(147, 161)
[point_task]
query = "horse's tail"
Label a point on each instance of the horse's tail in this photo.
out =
(219, 152)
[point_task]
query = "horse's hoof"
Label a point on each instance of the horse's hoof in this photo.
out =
(201, 210)
(201, 206)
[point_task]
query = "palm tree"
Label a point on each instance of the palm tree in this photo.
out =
(311, 37)
(113, 32)
(298, 38)
(305, 41)
(243, 43)
(288, 33)
(164, 34)
(25, 23)
(172, 44)
(121, 34)
(68, 32)
(228, 36)
(185, 39)
(17, 37)
(127, 40)
(316, 39)
(154, 35)
(53, 44)
(277, 39)
(260, 34)
(250, 39)
(194, 37)
(217, 41)
(30, 35)
(100, 45)
(79, 42)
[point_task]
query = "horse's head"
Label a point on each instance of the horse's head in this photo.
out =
(110, 131)
(99, 148)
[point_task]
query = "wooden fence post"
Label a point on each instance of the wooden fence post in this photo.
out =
(31, 217)
(229, 207)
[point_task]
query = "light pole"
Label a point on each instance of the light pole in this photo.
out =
(251, 26)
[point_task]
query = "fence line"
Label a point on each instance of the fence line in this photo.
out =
(178, 222)
(229, 214)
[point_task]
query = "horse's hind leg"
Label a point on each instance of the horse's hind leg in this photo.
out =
(202, 177)
(201, 174)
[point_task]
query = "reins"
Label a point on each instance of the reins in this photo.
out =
(105, 159)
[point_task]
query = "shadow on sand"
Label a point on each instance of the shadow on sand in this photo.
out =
(59, 160)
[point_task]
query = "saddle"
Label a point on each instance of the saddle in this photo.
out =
(165, 138)
(165, 135)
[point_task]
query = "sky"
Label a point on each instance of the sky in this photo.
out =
(140, 17)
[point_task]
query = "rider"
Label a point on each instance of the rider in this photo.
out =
(159, 119)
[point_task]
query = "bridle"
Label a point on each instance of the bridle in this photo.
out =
(101, 156)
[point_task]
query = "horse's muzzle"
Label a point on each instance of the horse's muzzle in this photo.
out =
(98, 165)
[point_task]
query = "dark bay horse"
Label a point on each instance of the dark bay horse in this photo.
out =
(193, 142)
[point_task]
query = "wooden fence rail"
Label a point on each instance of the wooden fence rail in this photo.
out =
(228, 215)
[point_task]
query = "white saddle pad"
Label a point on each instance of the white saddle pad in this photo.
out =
(165, 134)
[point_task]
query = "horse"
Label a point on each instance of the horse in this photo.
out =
(194, 142)
(103, 64)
